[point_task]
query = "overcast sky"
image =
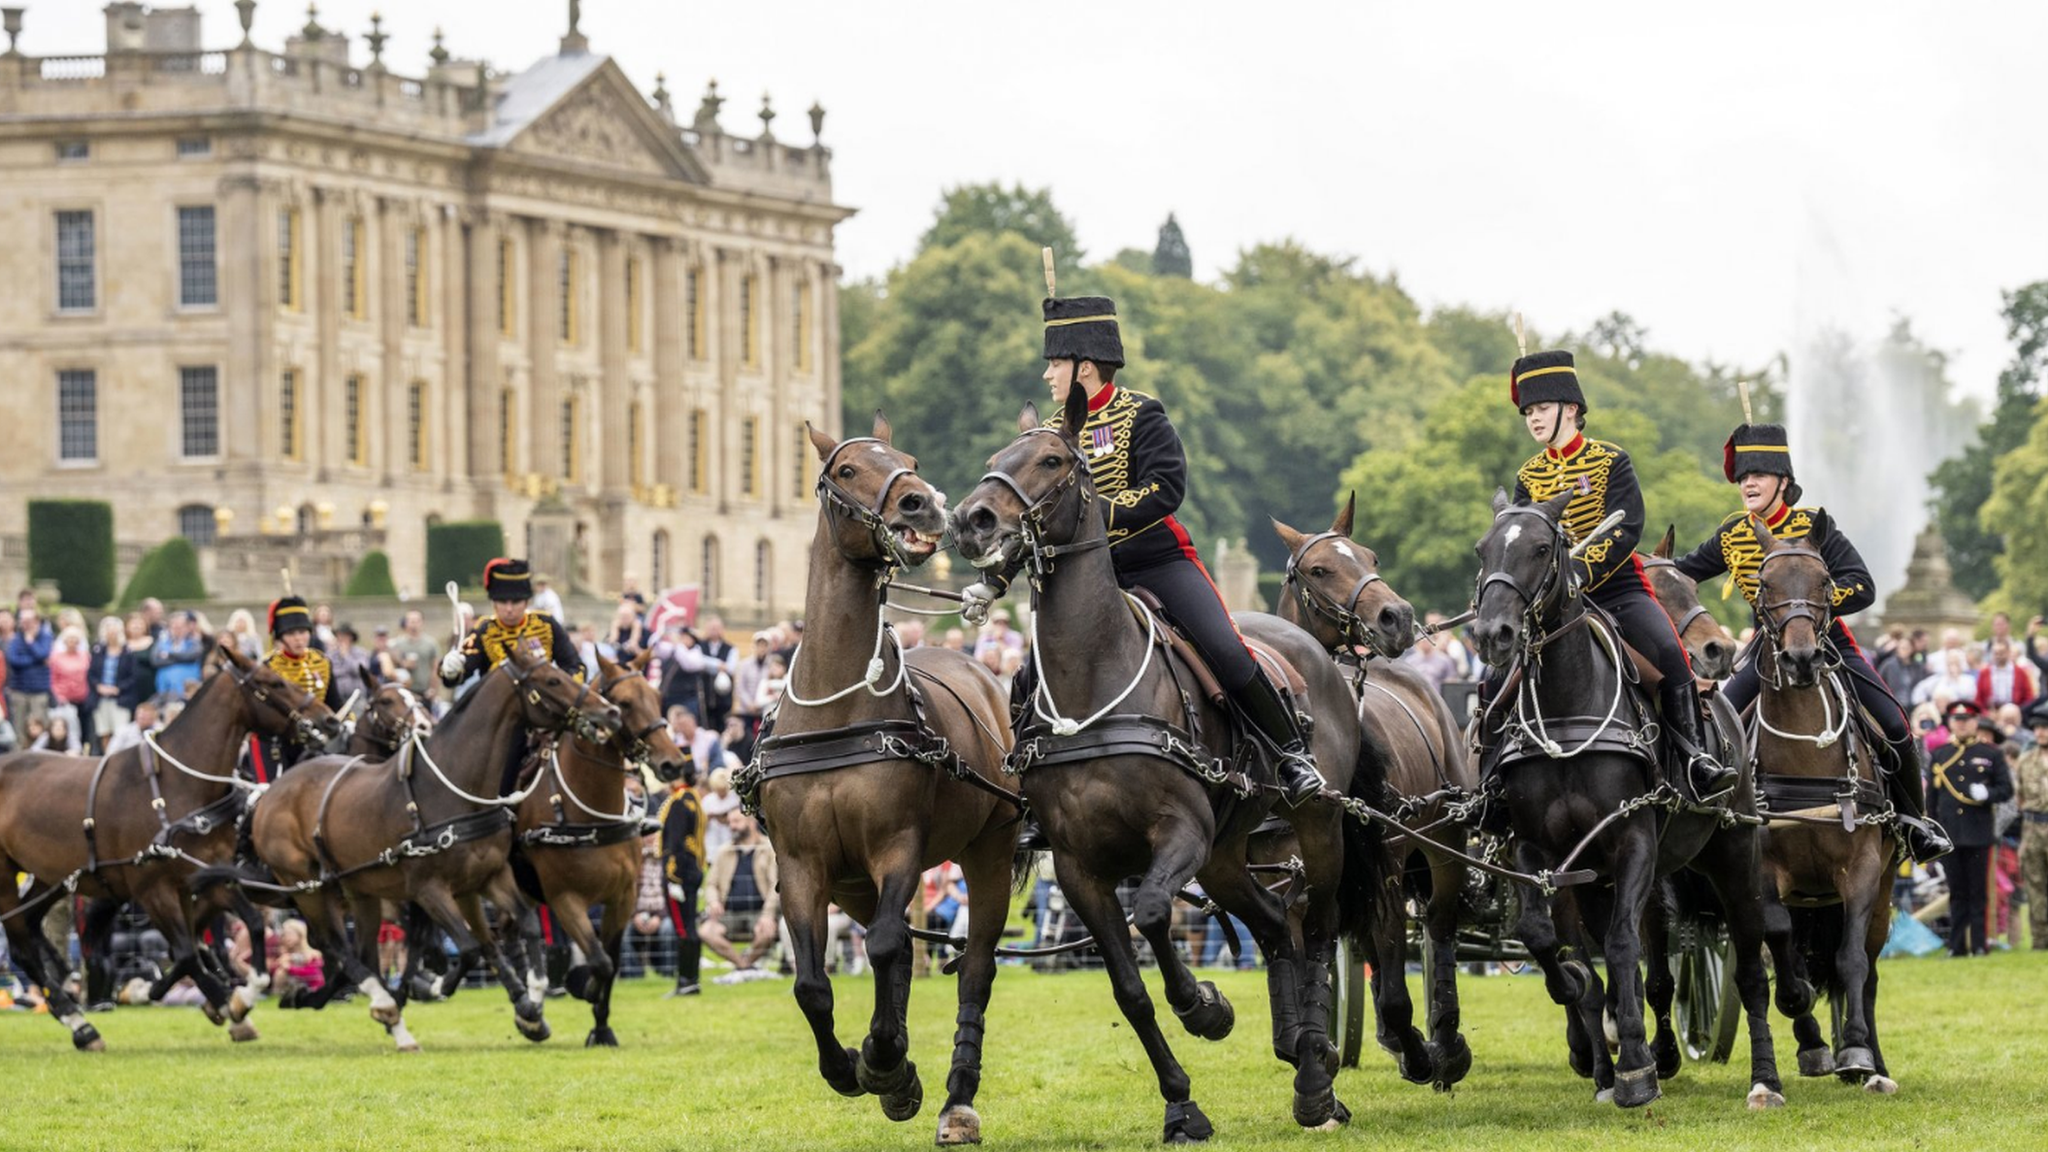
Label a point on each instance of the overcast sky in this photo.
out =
(1725, 173)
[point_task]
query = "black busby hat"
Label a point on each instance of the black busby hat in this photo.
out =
(508, 580)
(1083, 328)
(289, 614)
(1760, 448)
(1545, 377)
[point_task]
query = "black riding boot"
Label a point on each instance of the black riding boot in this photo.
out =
(1924, 839)
(1711, 779)
(689, 955)
(1293, 763)
(99, 983)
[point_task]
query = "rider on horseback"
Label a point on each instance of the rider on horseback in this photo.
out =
(294, 658)
(1759, 458)
(511, 624)
(1545, 387)
(1140, 471)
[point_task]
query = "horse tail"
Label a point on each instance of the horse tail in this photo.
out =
(1367, 888)
(1024, 870)
(1817, 938)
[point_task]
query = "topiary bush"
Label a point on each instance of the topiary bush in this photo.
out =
(459, 550)
(72, 543)
(170, 571)
(372, 577)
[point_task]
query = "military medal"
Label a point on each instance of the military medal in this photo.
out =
(1099, 441)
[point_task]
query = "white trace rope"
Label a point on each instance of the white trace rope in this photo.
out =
(876, 666)
(419, 745)
(1540, 734)
(555, 766)
(1832, 727)
(1050, 712)
(245, 785)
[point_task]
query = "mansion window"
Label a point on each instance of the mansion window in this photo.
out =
(198, 284)
(750, 327)
(416, 425)
(196, 523)
(77, 281)
(416, 277)
(291, 439)
(693, 313)
(199, 413)
(78, 415)
(800, 325)
(355, 295)
(290, 268)
(750, 455)
(355, 420)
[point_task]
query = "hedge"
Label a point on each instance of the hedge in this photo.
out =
(72, 543)
(459, 550)
(372, 577)
(170, 571)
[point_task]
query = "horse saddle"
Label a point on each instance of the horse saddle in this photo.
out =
(1171, 638)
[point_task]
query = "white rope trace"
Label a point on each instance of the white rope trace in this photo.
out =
(876, 667)
(1050, 713)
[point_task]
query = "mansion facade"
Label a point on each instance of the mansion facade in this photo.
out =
(295, 309)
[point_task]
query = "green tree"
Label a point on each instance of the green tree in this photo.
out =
(72, 543)
(1171, 257)
(169, 571)
(991, 209)
(458, 551)
(372, 577)
(1964, 484)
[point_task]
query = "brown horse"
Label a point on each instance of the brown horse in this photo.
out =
(1152, 783)
(1707, 644)
(133, 826)
(392, 714)
(1333, 590)
(882, 764)
(576, 838)
(426, 826)
(1828, 862)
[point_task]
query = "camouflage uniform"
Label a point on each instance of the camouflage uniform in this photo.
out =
(2031, 776)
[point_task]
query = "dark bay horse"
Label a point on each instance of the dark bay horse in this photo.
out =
(1828, 862)
(1581, 792)
(576, 838)
(1132, 773)
(135, 825)
(882, 764)
(427, 826)
(1334, 590)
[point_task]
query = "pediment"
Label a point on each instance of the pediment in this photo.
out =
(604, 123)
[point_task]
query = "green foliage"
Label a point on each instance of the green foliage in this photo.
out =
(169, 571)
(2019, 498)
(459, 550)
(1964, 484)
(992, 210)
(72, 543)
(372, 577)
(1171, 257)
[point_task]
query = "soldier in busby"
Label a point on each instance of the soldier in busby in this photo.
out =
(1758, 458)
(512, 623)
(1140, 471)
(293, 657)
(1544, 387)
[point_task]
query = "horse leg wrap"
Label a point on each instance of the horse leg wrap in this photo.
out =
(899, 1089)
(1636, 1086)
(1185, 1124)
(1284, 991)
(1210, 1017)
(968, 1036)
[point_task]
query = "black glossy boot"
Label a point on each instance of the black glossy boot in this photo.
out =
(1293, 763)
(1712, 781)
(1925, 840)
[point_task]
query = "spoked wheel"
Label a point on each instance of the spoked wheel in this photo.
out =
(1708, 1006)
(1350, 1001)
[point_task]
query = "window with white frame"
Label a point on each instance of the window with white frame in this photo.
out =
(77, 286)
(198, 284)
(199, 412)
(78, 415)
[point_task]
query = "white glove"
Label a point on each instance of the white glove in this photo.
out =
(675, 892)
(974, 602)
(451, 664)
(721, 684)
(1979, 793)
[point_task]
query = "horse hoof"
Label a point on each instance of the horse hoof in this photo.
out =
(1453, 1062)
(1422, 1068)
(1636, 1087)
(1763, 1097)
(959, 1124)
(1185, 1124)
(536, 1031)
(1853, 1064)
(1387, 1043)
(241, 1031)
(1881, 1086)
(241, 1002)
(388, 1015)
(905, 1104)
(1314, 1111)
(601, 1038)
(1574, 978)
(578, 982)
(214, 1016)
(898, 1088)
(1797, 1000)
(1669, 1059)
(1604, 1096)
(1815, 1062)
(1210, 1017)
(87, 1039)
(848, 1082)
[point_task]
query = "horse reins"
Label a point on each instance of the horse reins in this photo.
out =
(868, 516)
(1037, 510)
(1314, 601)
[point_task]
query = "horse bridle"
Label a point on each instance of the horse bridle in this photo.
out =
(868, 516)
(1554, 579)
(1820, 612)
(636, 746)
(1698, 610)
(1314, 601)
(572, 717)
(259, 693)
(1037, 510)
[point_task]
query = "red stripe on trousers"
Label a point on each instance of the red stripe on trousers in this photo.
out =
(256, 759)
(1644, 576)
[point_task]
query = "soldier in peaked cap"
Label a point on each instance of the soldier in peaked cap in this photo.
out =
(1758, 457)
(1544, 387)
(512, 623)
(1971, 779)
(293, 657)
(1140, 472)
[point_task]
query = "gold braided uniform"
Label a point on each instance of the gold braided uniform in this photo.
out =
(1140, 472)
(310, 672)
(1600, 478)
(490, 644)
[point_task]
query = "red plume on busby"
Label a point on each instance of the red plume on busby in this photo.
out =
(508, 579)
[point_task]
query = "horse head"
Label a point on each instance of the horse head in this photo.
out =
(882, 510)
(643, 734)
(1018, 504)
(1524, 577)
(551, 700)
(1794, 605)
(1707, 642)
(392, 714)
(277, 707)
(1338, 590)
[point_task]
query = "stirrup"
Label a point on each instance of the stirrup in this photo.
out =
(1297, 774)
(1720, 780)
(1924, 840)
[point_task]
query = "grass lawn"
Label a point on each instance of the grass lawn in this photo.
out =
(733, 1069)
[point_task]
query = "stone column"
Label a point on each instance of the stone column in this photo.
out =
(780, 368)
(828, 351)
(484, 378)
(250, 311)
(615, 391)
(394, 221)
(450, 277)
(544, 240)
(669, 420)
(324, 426)
(725, 424)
